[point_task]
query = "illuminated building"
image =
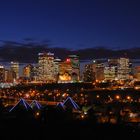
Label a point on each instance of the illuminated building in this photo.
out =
(69, 70)
(137, 72)
(21, 105)
(89, 74)
(28, 71)
(69, 103)
(113, 62)
(75, 64)
(8, 76)
(99, 74)
(15, 70)
(46, 67)
(35, 73)
(123, 69)
(110, 73)
(98, 70)
(57, 68)
(65, 70)
(2, 70)
(94, 71)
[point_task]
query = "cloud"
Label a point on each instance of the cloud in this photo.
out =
(27, 51)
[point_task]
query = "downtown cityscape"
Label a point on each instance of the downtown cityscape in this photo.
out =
(69, 69)
(56, 92)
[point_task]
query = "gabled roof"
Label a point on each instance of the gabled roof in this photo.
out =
(22, 104)
(35, 105)
(71, 104)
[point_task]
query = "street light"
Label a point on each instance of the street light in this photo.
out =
(98, 96)
(117, 97)
(128, 97)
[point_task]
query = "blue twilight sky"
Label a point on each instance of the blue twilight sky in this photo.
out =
(72, 24)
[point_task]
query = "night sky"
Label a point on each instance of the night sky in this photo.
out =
(72, 23)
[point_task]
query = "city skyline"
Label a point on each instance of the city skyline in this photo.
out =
(70, 69)
(72, 24)
(50, 68)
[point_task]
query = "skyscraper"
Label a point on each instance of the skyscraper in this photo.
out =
(110, 73)
(69, 69)
(8, 76)
(89, 74)
(2, 70)
(57, 62)
(75, 64)
(65, 70)
(94, 71)
(28, 71)
(46, 67)
(98, 67)
(137, 72)
(15, 70)
(124, 69)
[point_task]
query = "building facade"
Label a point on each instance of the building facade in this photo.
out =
(75, 64)
(65, 71)
(46, 67)
(110, 73)
(15, 69)
(124, 69)
(2, 73)
(137, 73)
(89, 74)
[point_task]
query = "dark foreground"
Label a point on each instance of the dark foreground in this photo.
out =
(34, 130)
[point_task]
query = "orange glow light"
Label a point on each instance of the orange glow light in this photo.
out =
(117, 97)
(128, 97)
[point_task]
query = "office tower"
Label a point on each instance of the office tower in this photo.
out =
(8, 76)
(94, 71)
(99, 74)
(2, 69)
(28, 71)
(137, 73)
(57, 62)
(75, 64)
(46, 66)
(89, 74)
(65, 71)
(113, 62)
(15, 70)
(35, 73)
(110, 73)
(124, 69)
